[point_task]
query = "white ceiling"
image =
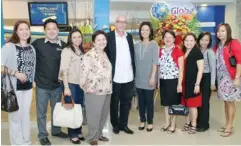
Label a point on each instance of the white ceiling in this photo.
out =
(49, 0)
(194, 1)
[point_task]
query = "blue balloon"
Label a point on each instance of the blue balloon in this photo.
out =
(159, 10)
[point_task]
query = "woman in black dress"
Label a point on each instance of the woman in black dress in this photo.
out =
(193, 71)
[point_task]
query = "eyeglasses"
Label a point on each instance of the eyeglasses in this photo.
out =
(122, 22)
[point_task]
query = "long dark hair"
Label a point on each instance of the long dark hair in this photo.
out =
(184, 49)
(229, 34)
(15, 38)
(201, 36)
(151, 35)
(70, 43)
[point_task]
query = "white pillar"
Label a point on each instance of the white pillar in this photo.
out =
(230, 13)
(238, 20)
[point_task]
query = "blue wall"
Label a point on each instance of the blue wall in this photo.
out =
(2, 24)
(211, 14)
(101, 14)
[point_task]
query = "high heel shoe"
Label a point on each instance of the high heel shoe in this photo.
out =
(75, 141)
(186, 127)
(165, 128)
(142, 128)
(192, 130)
(149, 129)
(226, 133)
(171, 131)
(81, 138)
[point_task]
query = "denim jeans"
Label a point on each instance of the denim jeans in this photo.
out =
(43, 96)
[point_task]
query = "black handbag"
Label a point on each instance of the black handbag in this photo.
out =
(9, 101)
(232, 59)
(180, 110)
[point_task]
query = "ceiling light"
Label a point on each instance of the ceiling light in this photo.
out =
(204, 5)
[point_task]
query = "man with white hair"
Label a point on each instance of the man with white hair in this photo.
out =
(120, 51)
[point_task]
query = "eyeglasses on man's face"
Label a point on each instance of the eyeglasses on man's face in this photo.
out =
(121, 22)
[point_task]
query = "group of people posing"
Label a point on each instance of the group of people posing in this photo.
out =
(103, 79)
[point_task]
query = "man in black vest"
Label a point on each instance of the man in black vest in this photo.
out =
(120, 51)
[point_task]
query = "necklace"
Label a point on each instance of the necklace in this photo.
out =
(203, 50)
(142, 53)
(168, 49)
(23, 46)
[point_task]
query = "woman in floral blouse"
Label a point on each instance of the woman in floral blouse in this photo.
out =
(96, 81)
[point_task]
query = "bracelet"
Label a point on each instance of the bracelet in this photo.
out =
(196, 84)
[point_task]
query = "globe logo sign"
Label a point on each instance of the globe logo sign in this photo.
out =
(159, 10)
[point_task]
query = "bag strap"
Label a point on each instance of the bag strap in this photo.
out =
(63, 101)
(11, 84)
(230, 48)
(208, 59)
(3, 77)
(5, 74)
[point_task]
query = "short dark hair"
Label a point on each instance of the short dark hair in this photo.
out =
(50, 21)
(14, 38)
(184, 49)
(170, 32)
(151, 36)
(70, 43)
(201, 35)
(98, 32)
(229, 33)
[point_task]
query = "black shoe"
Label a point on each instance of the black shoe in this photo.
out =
(82, 138)
(45, 141)
(127, 130)
(149, 130)
(116, 130)
(61, 135)
(202, 129)
(102, 138)
(142, 128)
(75, 142)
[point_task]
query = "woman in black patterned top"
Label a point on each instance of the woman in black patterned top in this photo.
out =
(19, 57)
(171, 75)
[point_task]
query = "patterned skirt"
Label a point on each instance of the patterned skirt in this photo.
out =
(226, 89)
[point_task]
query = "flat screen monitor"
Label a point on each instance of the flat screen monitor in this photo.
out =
(39, 12)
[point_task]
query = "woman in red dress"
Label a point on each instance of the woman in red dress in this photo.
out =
(193, 71)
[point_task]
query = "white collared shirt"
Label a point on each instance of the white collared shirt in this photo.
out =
(123, 65)
(58, 41)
